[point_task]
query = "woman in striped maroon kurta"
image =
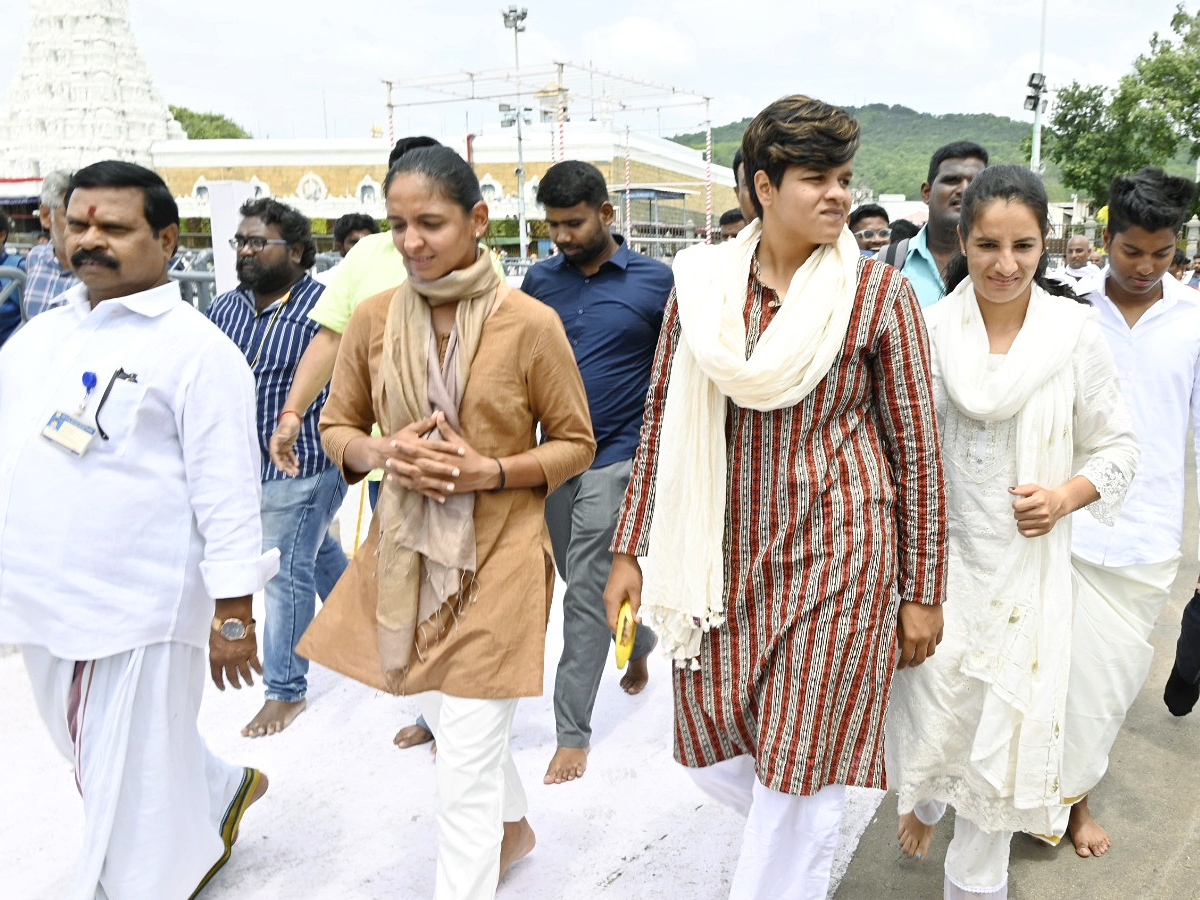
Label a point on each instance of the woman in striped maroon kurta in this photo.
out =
(834, 516)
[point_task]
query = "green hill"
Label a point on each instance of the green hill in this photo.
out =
(896, 143)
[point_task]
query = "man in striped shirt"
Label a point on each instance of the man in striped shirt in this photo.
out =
(267, 317)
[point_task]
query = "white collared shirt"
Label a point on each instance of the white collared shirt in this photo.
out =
(129, 544)
(1075, 277)
(1158, 362)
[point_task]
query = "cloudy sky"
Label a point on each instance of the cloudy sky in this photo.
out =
(312, 69)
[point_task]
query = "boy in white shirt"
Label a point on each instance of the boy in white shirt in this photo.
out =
(1152, 325)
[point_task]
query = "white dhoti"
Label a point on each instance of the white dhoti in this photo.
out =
(1115, 611)
(154, 796)
(789, 841)
(478, 790)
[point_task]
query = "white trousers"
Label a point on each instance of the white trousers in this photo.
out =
(976, 860)
(789, 841)
(153, 794)
(478, 790)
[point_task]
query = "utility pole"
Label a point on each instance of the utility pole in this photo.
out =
(1035, 99)
(515, 19)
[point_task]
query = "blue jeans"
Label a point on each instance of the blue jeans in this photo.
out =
(296, 514)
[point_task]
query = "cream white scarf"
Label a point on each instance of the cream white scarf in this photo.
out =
(683, 593)
(1020, 642)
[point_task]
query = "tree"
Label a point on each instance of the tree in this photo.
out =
(1152, 118)
(1170, 76)
(200, 126)
(1098, 134)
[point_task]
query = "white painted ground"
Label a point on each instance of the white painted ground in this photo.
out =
(350, 817)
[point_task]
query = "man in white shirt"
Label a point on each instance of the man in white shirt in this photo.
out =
(127, 432)
(1078, 266)
(1123, 574)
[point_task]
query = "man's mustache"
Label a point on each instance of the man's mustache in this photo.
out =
(79, 257)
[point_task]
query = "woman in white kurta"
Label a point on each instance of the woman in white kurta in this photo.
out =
(1033, 428)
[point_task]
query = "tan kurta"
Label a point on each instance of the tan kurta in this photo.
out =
(523, 375)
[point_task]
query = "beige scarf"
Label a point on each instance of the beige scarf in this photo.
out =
(1020, 640)
(684, 586)
(426, 549)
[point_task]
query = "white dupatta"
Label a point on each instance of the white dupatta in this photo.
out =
(1020, 645)
(683, 593)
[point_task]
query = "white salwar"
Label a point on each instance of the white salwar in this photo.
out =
(129, 724)
(981, 724)
(789, 841)
(478, 790)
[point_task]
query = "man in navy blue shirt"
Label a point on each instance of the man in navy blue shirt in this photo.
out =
(267, 317)
(611, 302)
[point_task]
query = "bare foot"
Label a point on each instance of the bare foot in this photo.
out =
(637, 673)
(1088, 835)
(519, 840)
(567, 764)
(274, 716)
(914, 835)
(413, 736)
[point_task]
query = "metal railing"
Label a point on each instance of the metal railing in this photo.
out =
(15, 281)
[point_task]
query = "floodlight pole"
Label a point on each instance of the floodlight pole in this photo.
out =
(1035, 156)
(515, 19)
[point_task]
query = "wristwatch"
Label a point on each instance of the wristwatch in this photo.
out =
(233, 629)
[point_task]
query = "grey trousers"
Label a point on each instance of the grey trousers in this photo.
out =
(582, 515)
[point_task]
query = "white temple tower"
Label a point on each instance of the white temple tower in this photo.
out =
(82, 92)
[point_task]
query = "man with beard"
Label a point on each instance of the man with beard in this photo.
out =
(267, 316)
(925, 257)
(611, 302)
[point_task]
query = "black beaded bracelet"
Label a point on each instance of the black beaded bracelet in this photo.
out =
(498, 488)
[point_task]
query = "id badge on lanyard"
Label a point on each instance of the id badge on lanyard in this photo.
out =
(72, 431)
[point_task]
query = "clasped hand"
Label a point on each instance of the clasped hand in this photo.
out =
(437, 468)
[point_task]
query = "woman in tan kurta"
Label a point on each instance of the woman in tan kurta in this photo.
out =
(452, 589)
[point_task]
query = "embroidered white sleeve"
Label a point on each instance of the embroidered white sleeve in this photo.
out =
(1112, 484)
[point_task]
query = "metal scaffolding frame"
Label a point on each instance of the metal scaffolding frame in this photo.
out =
(585, 86)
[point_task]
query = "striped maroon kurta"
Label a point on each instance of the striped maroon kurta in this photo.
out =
(834, 514)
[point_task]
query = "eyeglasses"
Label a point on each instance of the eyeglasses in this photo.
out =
(254, 244)
(867, 233)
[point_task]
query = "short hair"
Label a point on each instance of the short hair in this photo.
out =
(737, 161)
(1150, 199)
(410, 143)
(797, 131)
(730, 216)
(956, 150)
(867, 211)
(1181, 258)
(570, 182)
(903, 229)
(352, 222)
(449, 173)
(159, 206)
(5, 223)
(294, 227)
(54, 189)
